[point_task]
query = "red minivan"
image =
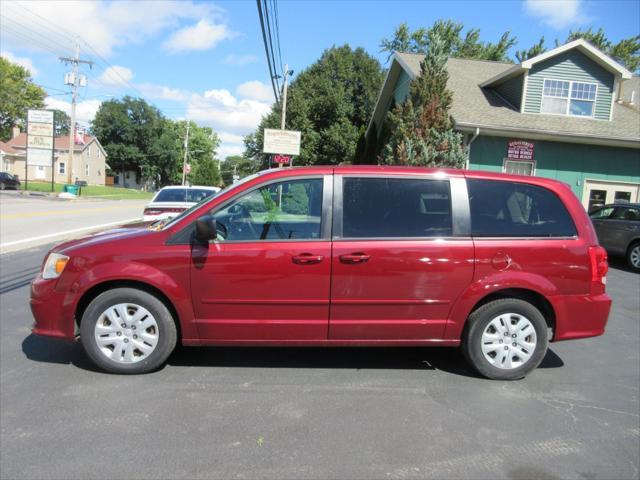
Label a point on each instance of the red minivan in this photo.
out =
(339, 256)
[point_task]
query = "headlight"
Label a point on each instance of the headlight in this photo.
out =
(54, 266)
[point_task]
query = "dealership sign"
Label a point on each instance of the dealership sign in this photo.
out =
(283, 142)
(520, 150)
(40, 138)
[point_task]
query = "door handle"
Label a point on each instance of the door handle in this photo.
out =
(307, 259)
(355, 258)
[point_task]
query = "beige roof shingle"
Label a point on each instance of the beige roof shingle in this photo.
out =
(481, 107)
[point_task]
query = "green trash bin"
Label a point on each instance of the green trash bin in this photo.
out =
(71, 189)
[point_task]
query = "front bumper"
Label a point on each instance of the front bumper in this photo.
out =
(52, 310)
(580, 316)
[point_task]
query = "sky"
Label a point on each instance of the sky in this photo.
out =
(206, 60)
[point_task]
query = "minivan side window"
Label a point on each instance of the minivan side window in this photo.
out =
(278, 211)
(511, 209)
(395, 208)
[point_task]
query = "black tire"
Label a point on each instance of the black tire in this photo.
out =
(633, 249)
(479, 320)
(167, 332)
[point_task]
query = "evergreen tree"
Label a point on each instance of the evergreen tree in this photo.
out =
(420, 130)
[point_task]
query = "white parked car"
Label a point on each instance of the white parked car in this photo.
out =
(170, 201)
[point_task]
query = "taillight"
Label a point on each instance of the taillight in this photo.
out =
(599, 264)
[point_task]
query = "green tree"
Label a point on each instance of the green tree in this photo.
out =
(242, 167)
(455, 44)
(534, 51)
(626, 51)
(330, 103)
(128, 130)
(18, 93)
(420, 130)
(62, 123)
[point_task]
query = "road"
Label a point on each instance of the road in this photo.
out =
(318, 412)
(27, 221)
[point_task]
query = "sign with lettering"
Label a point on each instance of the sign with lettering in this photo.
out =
(40, 116)
(45, 129)
(281, 159)
(284, 142)
(520, 150)
(39, 138)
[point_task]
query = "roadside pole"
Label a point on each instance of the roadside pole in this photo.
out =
(283, 113)
(74, 80)
(186, 152)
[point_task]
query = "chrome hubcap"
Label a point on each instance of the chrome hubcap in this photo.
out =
(509, 341)
(635, 256)
(126, 333)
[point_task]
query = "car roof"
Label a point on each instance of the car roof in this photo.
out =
(634, 205)
(172, 187)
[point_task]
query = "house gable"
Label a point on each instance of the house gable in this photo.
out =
(571, 65)
(511, 90)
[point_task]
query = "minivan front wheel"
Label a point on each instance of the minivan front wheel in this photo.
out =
(126, 330)
(505, 339)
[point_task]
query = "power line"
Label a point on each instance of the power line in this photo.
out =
(266, 49)
(270, 36)
(274, 5)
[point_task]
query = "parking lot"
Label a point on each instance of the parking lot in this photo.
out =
(316, 413)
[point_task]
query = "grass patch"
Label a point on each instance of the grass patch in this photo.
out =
(98, 191)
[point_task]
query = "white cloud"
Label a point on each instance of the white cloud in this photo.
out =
(22, 61)
(240, 60)
(224, 112)
(557, 13)
(104, 25)
(227, 137)
(161, 92)
(116, 75)
(255, 90)
(201, 36)
(85, 110)
(225, 150)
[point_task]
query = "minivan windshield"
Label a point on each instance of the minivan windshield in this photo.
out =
(176, 219)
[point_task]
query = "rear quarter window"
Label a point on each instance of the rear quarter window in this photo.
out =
(171, 195)
(511, 209)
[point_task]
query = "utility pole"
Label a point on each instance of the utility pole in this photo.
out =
(186, 152)
(283, 116)
(74, 80)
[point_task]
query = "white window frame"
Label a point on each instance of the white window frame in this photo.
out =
(61, 168)
(568, 98)
(513, 160)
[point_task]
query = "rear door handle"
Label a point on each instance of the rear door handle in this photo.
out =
(355, 258)
(307, 259)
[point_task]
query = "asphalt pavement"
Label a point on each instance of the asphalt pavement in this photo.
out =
(28, 220)
(387, 413)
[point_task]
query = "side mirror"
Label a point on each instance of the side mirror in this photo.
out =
(206, 229)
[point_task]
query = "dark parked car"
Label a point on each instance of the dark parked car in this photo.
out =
(359, 256)
(8, 181)
(618, 229)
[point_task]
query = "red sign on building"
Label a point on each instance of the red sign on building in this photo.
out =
(520, 150)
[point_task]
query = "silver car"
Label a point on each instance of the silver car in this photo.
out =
(618, 229)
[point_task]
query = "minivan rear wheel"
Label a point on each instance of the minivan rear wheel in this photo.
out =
(505, 339)
(126, 330)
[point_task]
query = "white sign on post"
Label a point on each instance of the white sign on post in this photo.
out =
(39, 156)
(40, 116)
(285, 142)
(39, 138)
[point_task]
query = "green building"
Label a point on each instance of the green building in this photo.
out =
(571, 114)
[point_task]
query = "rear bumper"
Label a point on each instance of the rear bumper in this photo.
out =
(52, 311)
(580, 316)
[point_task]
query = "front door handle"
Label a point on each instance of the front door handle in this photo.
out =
(352, 258)
(307, 259)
